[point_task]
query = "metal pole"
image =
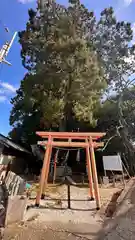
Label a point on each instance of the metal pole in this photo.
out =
(5, 50)
(42, 178)
(95, 178)
(68, 193)
(10, 44)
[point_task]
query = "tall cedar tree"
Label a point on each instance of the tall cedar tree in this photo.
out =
(64, 79)
(69, 57)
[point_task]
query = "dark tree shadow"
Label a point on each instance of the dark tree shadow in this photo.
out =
(110, 224)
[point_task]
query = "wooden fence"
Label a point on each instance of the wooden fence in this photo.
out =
(15, 184)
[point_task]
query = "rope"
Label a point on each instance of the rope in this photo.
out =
(68, 149)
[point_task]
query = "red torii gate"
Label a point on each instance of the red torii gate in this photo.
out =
(89, 143)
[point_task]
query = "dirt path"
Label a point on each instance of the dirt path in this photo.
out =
(56, 231)
(122, 226)
(34, 232)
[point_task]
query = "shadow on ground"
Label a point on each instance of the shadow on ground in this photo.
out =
(122, 224)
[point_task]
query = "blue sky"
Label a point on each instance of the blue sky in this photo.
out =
(14, 15)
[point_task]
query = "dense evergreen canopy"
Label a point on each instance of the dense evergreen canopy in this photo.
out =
(73, 62)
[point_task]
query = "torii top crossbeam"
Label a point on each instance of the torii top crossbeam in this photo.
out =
(72, 135)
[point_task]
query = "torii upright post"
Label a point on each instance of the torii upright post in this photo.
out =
(47, 172)
(95, 178)
(43, 173)
(91, 189)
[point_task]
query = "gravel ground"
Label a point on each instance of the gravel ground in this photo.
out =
(36, 231)
(54, 221)
(55, 205)
(53, 231)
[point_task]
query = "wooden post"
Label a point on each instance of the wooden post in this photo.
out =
(47, 172)
(43, 172)
(89, 174)
(55, 165)
(95, 178)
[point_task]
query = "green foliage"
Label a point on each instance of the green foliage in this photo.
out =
(71, 60)
(117, 117)
(64, 77)
(111, 39)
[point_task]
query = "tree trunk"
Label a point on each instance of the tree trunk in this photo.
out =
(68, 113)
(124, 133)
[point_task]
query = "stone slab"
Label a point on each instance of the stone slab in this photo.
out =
(16, 209)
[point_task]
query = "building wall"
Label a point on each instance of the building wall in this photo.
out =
(5, 159)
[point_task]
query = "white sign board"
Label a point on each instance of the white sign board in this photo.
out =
(112, 163)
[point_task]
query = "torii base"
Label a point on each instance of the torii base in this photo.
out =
(43, 196)
(91, 199)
